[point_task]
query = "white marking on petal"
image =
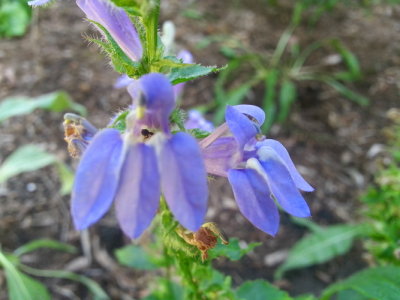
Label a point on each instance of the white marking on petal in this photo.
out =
(266, 152)
(157, 141)
(253, 163)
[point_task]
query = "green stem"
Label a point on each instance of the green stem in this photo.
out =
(185, 266)
(176, 250)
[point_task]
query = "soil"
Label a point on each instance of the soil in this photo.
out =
(336, 144)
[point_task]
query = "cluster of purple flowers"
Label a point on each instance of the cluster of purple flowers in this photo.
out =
(134, 168)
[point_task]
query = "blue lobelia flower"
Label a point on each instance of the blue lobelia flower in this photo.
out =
(134, 168)
(196, 120)
(112, 18)
(117, 23)
(259, 170)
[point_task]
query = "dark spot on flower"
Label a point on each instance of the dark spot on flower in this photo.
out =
(251, 118)
(146, 133)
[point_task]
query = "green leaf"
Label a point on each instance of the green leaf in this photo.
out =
(233, 250)
(260, 290)
(307, 297)
(307, 223)
(165, 289)
(233, 97)
(198, 133)
(287, 97)
(24, 159)
(44, 243)
(121, 62)
(66, 178)
(320, 246)
(345, 91)
(351, 61)
(93, 287)
(130, 6)
(192, 14)
(223, 77)
(57, 102)
(35, 289)
(269, 101)
(188, 72)
(14, 18)
(349, 294)
(21, 286)
(135, 257)
(381, 283)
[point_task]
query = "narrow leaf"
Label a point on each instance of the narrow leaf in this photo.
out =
(233, 97)
(320, 246)
(381, 283)
(349, 59)
(269, 101)
(345, 91)
(21, 286)
(97, 292)
(189, 72)
(287, 97)
(57, 102)
(44, 243)
(24, 159)
(121, 62)
(66, 178)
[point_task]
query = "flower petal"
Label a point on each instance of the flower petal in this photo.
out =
(221, 156)
(253, 111)
(117, 23)
(243, 129)
(253, 198)
(196, 120)
(184, 180)
(281, 183)
(186, 56)
(284, 154)
(159, 99)
(138, 193)
(96, 178)
(123, 81)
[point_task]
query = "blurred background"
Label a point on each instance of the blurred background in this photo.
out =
(326, 72)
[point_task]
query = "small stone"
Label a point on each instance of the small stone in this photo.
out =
(31, 187)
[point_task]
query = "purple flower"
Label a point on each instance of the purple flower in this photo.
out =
(123, 81)
(117, 23)
(134, 168)
(259, 170)
(197, 121)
